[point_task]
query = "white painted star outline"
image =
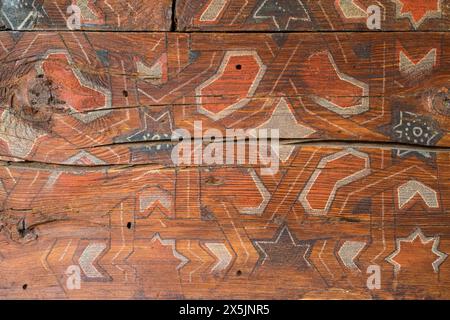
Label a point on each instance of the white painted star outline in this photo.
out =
(400, 124)
(416, 24)
(424, 240)
(144, 131)
(280, 234)
(171, 243)
(404, 118)
(260, 15)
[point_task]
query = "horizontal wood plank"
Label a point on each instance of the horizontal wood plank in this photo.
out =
(226, 15)
(312, 15)
(62, 93)
(310, 231)
(92, 204)
(115, 15)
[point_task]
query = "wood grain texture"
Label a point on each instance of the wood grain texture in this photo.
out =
(311, 15)
(231, 232)
(120, 15)
(65, 92)
(102, 194)
(226, 15)
(88, 184)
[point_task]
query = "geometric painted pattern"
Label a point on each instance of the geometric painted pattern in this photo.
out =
(251, 72)
(417, 14)
(324, 171)
(409, 190)
(87, 181)
(282, 12)
(284, 249)
(343, 88)
(416, 236)
(415, 129)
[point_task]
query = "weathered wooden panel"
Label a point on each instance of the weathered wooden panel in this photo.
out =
(105, 93)
(122, 15)
(92, 204)
(265, 15)
(310, 231)
(311, 15)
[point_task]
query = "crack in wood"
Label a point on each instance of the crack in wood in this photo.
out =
(334, 144)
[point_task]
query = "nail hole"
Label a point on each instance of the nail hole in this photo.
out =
(238, 67)
(129, 225)
(239, 273)
(125, 93)
(25, 286)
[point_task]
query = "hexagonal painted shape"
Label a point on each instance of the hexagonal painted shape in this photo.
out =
(342, 168)
(333, 89)
(232, 87)
(77, 92)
